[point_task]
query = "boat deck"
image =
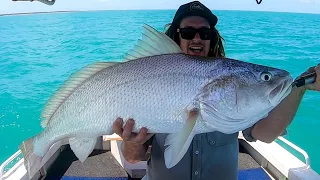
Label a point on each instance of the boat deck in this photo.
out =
(101, 165)
(257, 160)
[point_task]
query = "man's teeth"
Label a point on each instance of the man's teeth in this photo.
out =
(196, 48)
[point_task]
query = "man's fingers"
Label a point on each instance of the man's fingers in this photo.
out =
(316, 85)
(127, 130)
(310, 70)
(117, 126)
(141, 137)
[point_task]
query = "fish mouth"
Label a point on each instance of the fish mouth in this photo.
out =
(280, 91)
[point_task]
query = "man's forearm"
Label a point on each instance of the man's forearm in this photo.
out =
(269, 128)
(133, 153)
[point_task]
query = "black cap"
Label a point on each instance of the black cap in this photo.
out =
(194, 8)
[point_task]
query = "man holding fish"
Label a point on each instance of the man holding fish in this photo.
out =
(184, 97)
(212, 155)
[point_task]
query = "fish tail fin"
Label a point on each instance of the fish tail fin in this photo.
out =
(32, 162)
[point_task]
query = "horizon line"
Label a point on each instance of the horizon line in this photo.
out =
(93, 10)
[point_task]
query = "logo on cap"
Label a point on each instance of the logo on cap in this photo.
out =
(196, 7)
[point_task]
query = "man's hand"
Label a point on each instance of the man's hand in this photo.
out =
(133, 148)
(316, 85)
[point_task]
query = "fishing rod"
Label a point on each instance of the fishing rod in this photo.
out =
(47, 2)
(305, 80)
(259, 1)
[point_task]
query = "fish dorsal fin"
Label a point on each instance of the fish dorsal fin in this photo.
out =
(68, 87)
(152, 43)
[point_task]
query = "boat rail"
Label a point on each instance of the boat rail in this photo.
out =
(4, 175)
(295, 147)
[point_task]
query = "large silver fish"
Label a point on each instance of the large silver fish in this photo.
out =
(161, 89)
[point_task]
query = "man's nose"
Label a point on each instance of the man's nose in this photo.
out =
(197, 37)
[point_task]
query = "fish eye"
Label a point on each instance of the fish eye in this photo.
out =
(266, 76)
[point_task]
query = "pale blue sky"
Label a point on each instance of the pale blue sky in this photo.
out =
(308, 6)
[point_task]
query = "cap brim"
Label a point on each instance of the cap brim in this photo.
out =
(212, 19)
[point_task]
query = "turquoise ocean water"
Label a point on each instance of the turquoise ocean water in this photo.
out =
(38, 52)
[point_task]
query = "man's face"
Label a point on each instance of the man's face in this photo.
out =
(194, 45)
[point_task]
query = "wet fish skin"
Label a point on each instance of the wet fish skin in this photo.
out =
(140, 90)
(159, 91)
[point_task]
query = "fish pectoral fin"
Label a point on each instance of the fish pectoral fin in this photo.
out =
(82, 147)
(178, 143)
